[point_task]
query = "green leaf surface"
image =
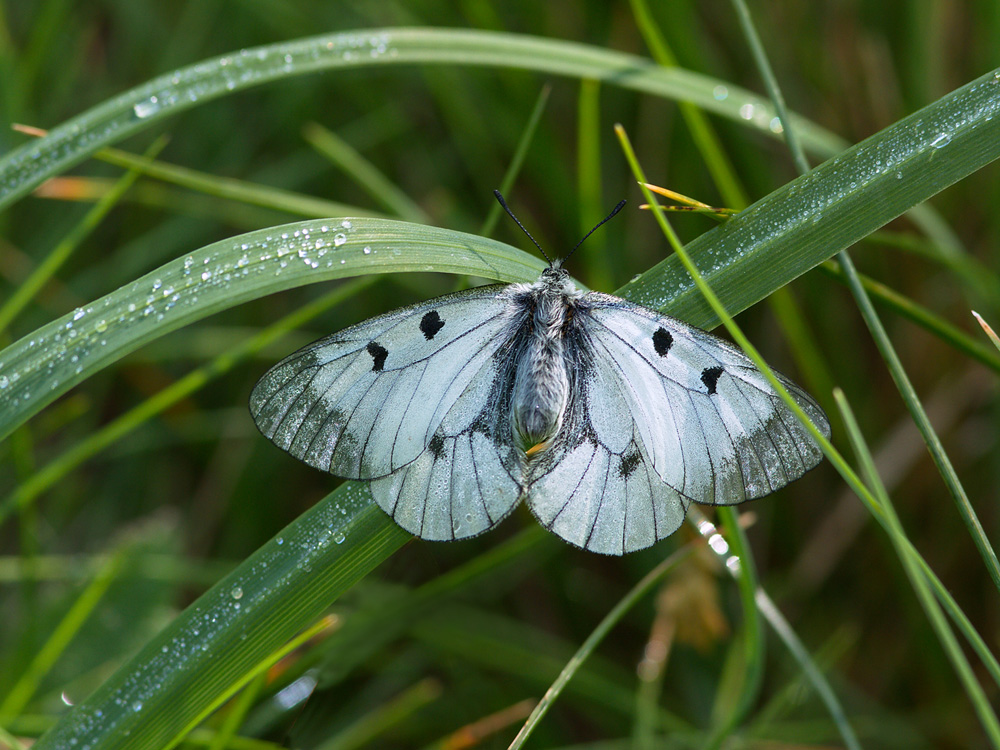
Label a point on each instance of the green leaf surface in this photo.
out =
(834, 205)
(216, 645)
(46, 363)
(761, 249)
(226, 637)
(134, 110)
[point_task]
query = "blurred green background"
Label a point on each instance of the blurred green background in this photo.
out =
(194, 490)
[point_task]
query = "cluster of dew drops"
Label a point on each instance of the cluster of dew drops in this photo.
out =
(62, 348)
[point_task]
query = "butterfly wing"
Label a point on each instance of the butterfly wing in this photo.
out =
(469, 473)
(405, 399)
(668, 415)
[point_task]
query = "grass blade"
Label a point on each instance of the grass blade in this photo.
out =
(212, 649)
(134, 110)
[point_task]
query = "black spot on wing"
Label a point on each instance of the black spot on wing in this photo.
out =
(710, 376)
(629, 463)
(430, 324)
(662, 341)
(436, 446)
(379, 353)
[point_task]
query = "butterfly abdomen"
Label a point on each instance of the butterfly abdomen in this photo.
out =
(542, 384)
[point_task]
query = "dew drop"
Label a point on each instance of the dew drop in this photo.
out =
(339, 239)
(147, 108)
(942, 140)
(236, 593)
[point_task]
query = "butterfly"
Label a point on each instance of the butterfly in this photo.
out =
(607, 418)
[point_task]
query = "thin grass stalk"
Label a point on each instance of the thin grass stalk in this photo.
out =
(926, 319)
(237, 713)
(594, 639)
(45, 270)
(365, 730)
(244, 680)
(590, 207)
(264, 196)
(905, 387)
(753, 635)
(11, 741)
(364, 174)
(46, 657)
(772, 614)
(812, 672)
(708, 145)
(897, 536)
(874, 323)
(517, 160)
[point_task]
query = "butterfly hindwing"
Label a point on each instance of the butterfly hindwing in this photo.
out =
(604, 498)
(469, 477)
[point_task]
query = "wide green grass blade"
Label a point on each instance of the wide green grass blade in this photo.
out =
(761, 249)
(225, 638)
(46, 363)
(835, 204)
(137, 109)
(780, 237)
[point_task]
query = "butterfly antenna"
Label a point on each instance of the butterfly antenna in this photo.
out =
(518, 221)
(605, 220)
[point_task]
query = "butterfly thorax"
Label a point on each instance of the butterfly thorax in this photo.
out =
(542, 385)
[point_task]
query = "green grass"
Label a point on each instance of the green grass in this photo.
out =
(177, 579)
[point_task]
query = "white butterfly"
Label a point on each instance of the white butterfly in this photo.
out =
(607, 418)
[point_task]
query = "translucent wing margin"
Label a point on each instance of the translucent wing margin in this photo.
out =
(668, 415)
(402, 399)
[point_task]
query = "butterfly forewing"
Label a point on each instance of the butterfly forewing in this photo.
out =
(366, 401)
(711, 423)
